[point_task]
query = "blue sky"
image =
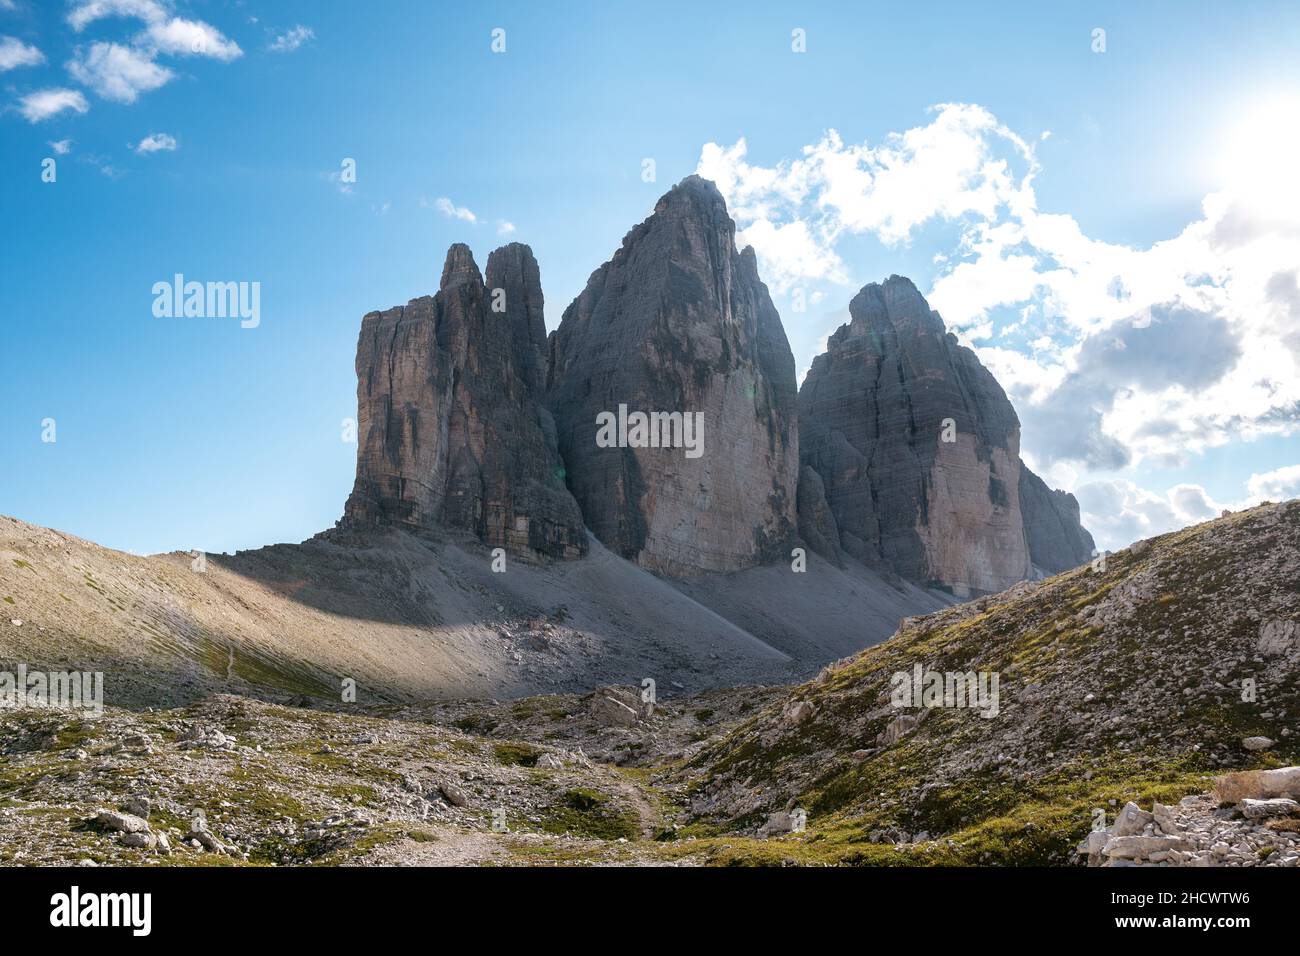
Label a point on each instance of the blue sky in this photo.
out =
(195, 433)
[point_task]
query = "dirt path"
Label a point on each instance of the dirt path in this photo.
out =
(647, 811)
(452, 847)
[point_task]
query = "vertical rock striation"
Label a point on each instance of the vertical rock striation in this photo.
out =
(451, 428)
(874, 413)
(1057, 540)
(678, 321)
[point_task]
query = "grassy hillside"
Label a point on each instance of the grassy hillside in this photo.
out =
(1117, 684)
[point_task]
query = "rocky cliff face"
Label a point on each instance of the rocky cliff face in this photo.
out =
(1056, 539)
(663, 414)
(451, 428)
(678, 322)
(918, 451)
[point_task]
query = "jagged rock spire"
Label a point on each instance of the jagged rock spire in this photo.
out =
(678, 322)
(451, 430)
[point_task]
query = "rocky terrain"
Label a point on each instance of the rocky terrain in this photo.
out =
(522, 644)
(1140, 681)
(232, 781)
(1145, 714)
(1249, 819)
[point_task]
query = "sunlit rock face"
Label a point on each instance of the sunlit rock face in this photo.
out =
(918, 452)
(678, 321)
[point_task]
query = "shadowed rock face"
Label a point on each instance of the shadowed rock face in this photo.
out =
(872, 415)
(817, 525)
(451, 430)
(678, 321)
(1056, 539)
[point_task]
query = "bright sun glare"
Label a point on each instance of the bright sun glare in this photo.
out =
(1260, 158)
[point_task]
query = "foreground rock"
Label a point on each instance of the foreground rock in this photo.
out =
(1203, 831)
(415, 785)
(1258, 785)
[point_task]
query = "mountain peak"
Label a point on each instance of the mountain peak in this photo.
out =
(451, 433)
(677, 323)
(895, 304)
(459, 267)
(918, 453)
(697, 199)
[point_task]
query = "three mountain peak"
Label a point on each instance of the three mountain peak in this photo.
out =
(900, 451)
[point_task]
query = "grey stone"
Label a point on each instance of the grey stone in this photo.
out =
(122, 822)
(451, 427)
(205, 839)
(610, 710)
(897, 729)
(1164, 818)
(679, 321)
(141, 841)
(1131, 820)
(799, 711)
(1279, 636)
(780, 822)
(1267, 809)
(455, 796)
(1134, 847)
(1258, 785)
(873, 411)
(1096, 841)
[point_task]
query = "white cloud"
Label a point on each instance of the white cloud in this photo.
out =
(190, 38)
(117, 72)
(14, 53)
(791, 253)
(1281, 484)
(43, 104)
(946, 170)
(1119, 512)
(105, 167)
(505, 227)
(86, 12)
(1111, 354)
(450, 209)
(156, 143)
(61, 147)
(291, 40)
